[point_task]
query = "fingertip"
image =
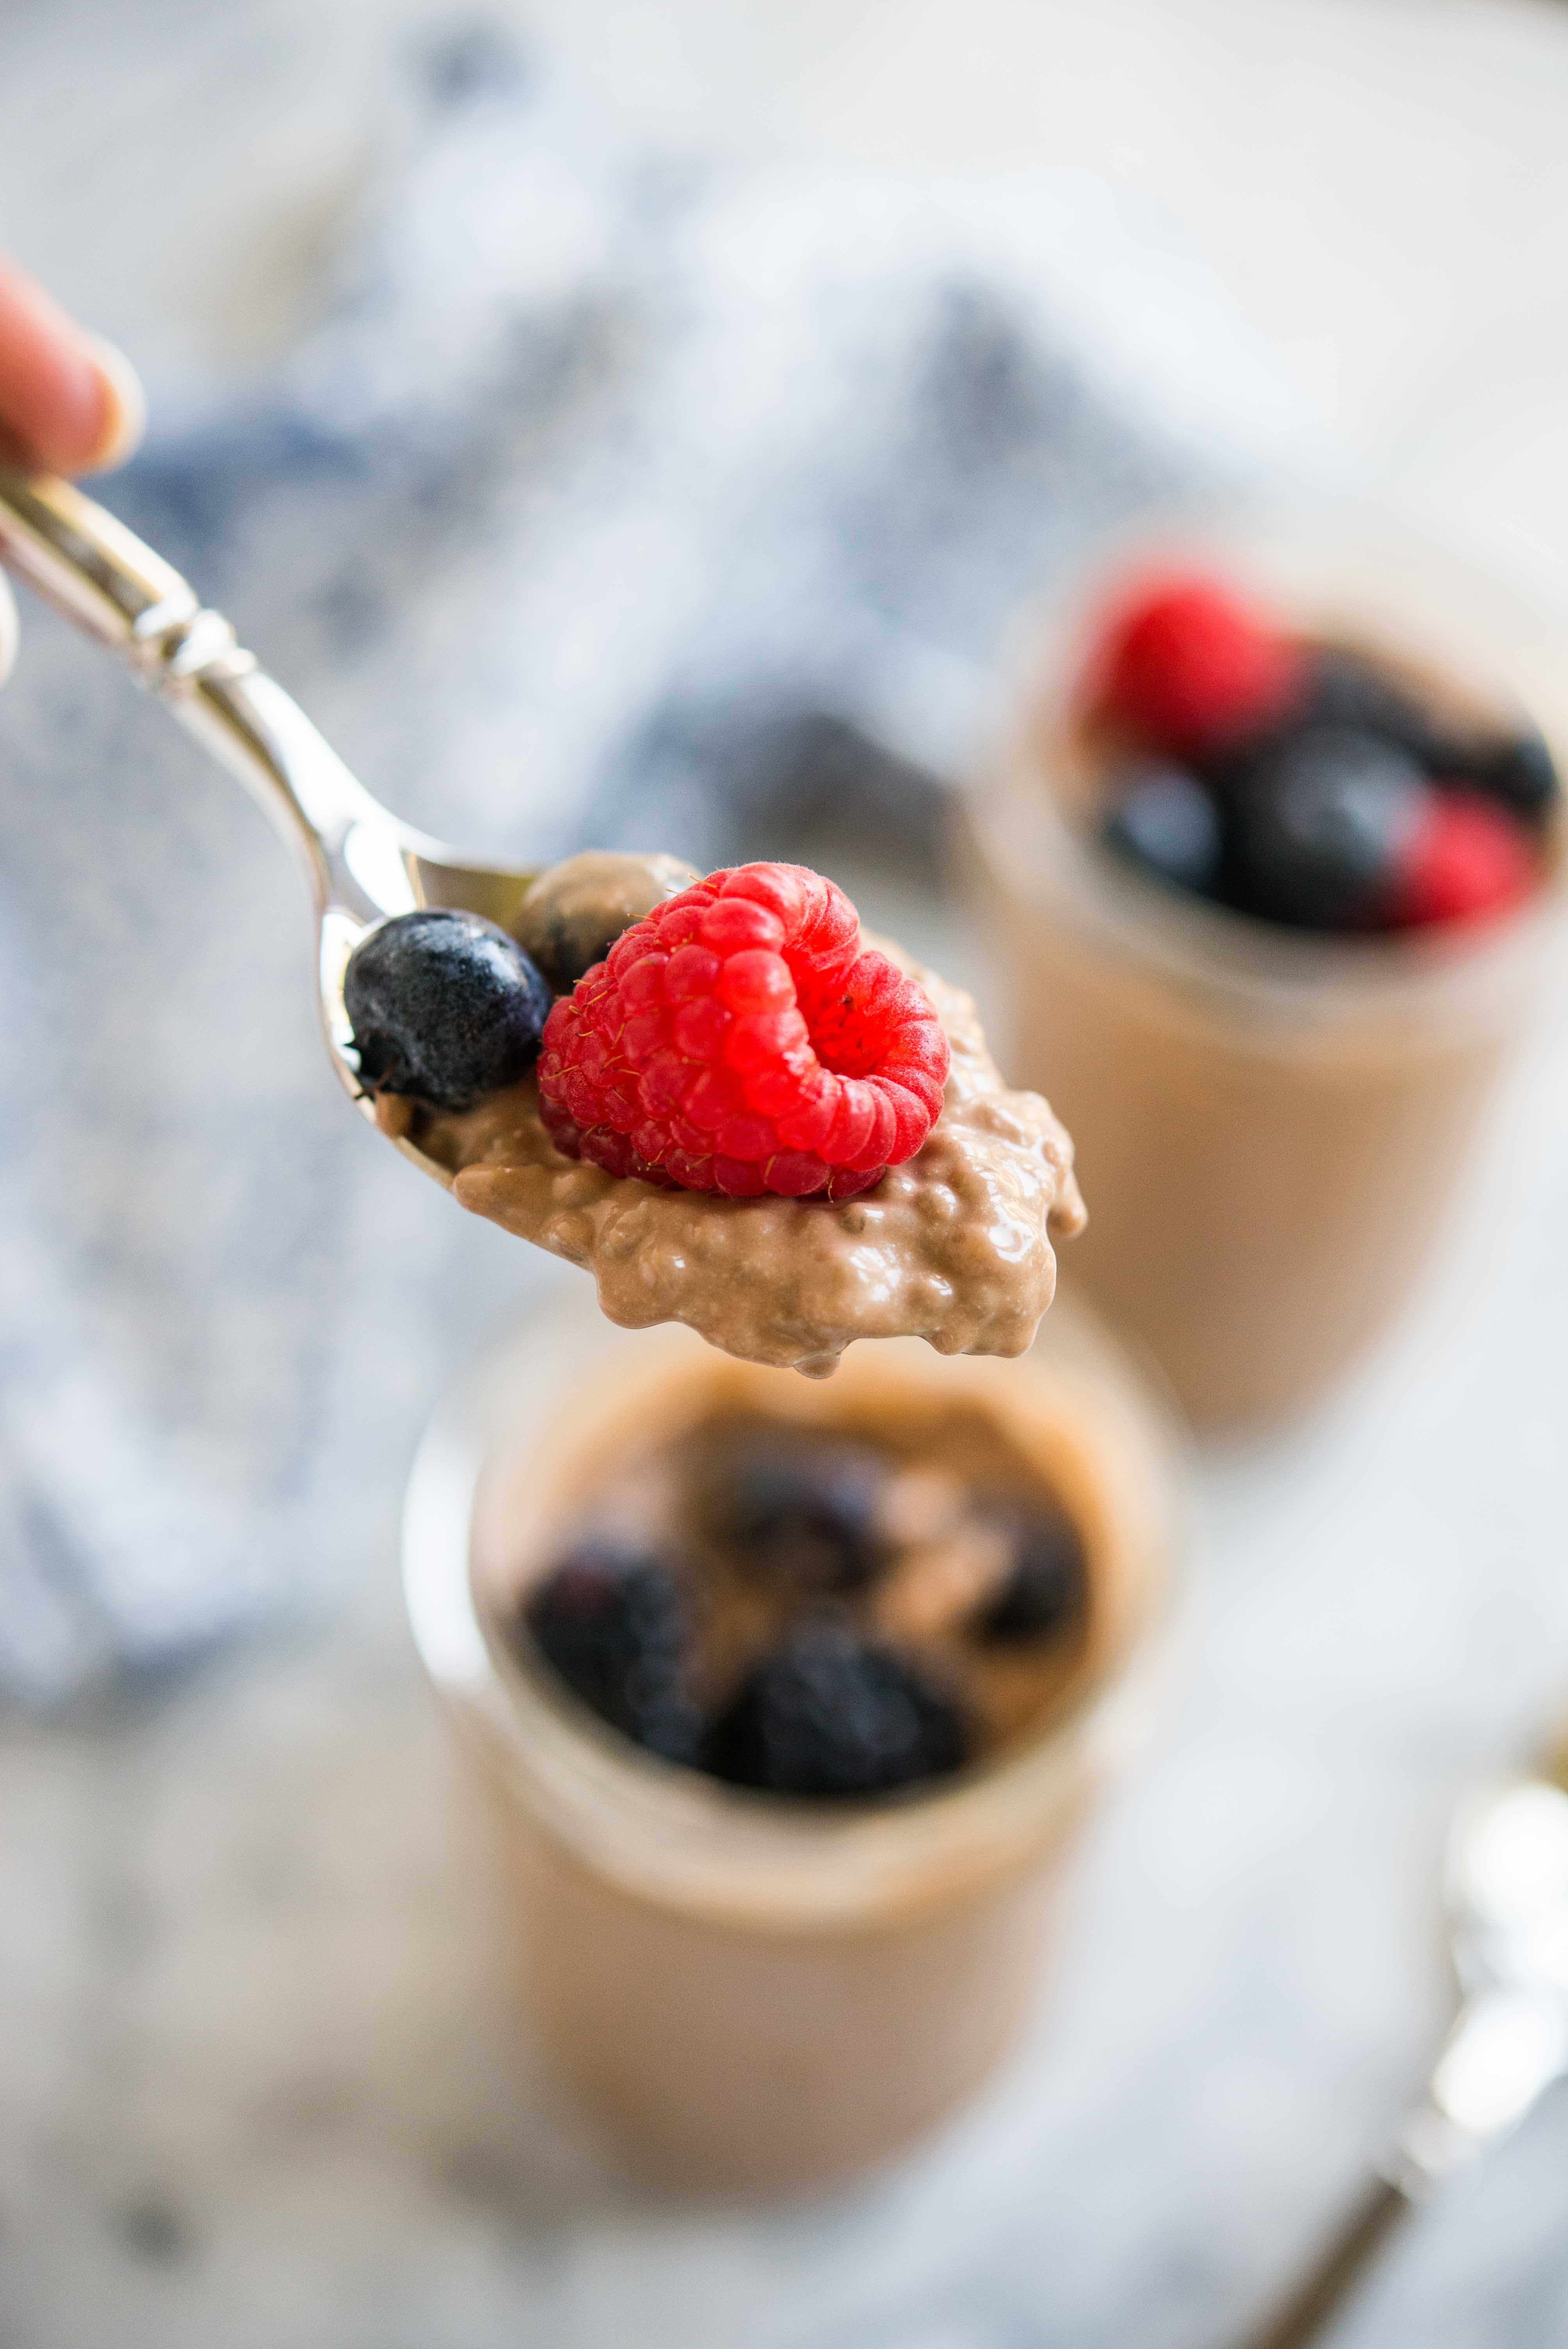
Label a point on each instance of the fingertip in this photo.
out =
(124, 405)
(68, 399)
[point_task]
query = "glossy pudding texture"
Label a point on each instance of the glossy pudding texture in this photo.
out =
(828, 1608)
(954, 1245)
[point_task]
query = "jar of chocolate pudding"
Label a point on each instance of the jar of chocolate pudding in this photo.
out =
(1274, 1076)
(782, 1701)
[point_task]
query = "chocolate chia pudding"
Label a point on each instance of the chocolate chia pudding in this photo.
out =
(954, 1245)
(774, 1844)
(1276, 1068)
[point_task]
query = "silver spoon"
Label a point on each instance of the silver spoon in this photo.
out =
(1506, 1888)
(360, 863)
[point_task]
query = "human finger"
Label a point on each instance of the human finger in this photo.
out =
(67, 398)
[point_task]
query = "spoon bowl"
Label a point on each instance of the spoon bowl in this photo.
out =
(956, 1248)
(1508, 1887)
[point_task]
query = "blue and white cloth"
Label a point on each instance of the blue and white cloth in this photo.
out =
(618, 498)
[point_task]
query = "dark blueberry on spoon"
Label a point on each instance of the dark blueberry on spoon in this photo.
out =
(444, 1006)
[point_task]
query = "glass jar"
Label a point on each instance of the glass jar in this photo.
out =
(737, 1989)
(1270, 1125)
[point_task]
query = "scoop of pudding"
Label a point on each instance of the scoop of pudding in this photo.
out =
(829, 1607)
(574, 913)
(961, 1185)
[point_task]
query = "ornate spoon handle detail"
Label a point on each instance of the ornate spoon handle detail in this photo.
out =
(359, 860)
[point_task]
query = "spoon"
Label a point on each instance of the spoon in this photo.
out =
(754, 1275)
(1506, 1892)
(360, 863)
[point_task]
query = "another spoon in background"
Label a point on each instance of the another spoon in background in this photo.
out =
(1506, 1889)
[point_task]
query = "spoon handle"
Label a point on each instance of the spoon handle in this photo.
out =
(102, 577)
(1505, 2048)
(359, 861)
(1349, 2253)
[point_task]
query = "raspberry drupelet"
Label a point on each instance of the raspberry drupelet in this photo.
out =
(737, 1039)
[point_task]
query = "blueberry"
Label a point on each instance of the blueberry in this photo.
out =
(1165, 821)
(1515, 769)
(1319, 823)
(611, 1618)
(1347, 690)
(829, 1712)
(444, 1006)
(1047, 1586)
(805, 1512)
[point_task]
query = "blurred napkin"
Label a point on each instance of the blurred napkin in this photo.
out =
(617, 497)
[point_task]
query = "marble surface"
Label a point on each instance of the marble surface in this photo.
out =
(252, 2089)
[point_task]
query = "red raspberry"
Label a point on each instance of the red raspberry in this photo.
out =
(737, 1039)
(1192, 668)
(1468, 861)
